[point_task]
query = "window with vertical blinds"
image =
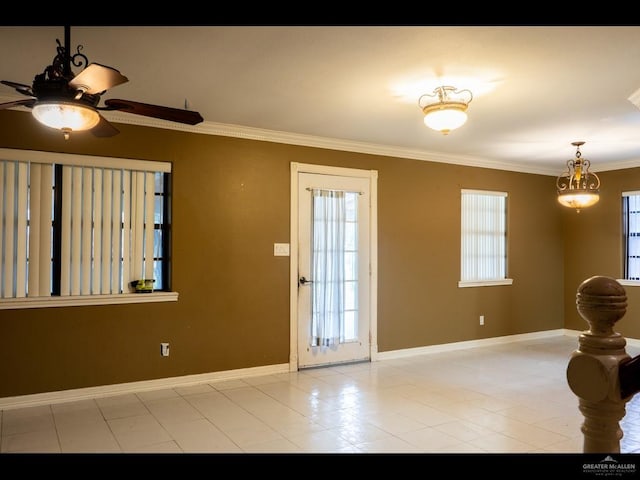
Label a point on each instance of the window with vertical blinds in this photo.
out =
(483, 238)
(81, 226)
(631, 235)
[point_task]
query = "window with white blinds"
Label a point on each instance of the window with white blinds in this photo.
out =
(483, 238)
(76, 225)
(631, 235)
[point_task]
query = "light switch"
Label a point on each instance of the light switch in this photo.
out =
(280, 249)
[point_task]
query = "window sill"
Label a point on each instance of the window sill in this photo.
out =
(485, 283)
(84, 300)
(629, 283)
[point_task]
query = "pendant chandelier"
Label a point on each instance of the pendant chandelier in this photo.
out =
(578, 187)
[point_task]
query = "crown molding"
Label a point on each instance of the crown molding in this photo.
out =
(250, 133)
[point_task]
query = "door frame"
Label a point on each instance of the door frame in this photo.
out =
(372, 176)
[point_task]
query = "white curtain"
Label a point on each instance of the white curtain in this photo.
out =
(327, 267)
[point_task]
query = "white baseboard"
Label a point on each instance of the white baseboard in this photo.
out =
(485, 342)
(7, 403)
(47, 398)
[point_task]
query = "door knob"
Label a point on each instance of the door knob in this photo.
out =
(304, 281)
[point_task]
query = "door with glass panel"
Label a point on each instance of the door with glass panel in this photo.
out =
(333, 269)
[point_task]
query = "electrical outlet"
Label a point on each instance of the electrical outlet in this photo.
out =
(481, 319)
(164, 349)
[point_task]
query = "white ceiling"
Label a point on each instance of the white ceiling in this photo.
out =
(536, 89)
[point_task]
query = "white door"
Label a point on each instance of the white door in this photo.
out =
(334, 280)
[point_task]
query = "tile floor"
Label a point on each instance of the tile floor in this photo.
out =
(508, 398)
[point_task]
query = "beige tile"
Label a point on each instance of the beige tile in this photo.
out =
(463, 430)
(159, 394)
(138, 431)
(200, 436)
(87, 438)
(228, 384)
(35, 441)
(172, 410)
(359, 432)
(429, 440)
(461, 448)
(157, 448)
(427, 415)
(322, 442)
(499, 443)
(79, 413)
(567, 425)
(536, 436)
(121, 406)
(280, 445)
(508, 398)
(396, 423)
(388, 444)
(571, 445)
(245, 437)
(194, 389)
(527, 414)
(28, 419)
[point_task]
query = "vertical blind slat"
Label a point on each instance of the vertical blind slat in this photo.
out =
(35, 224)
(137, 224)
(106, 231)
(65, 225)
(21, 233)
(86, 233)
(76, 231)
(126, 225)
(116, 231)
(3, 220)
(149, 224)
(97, 229)
(9, 228)
(44, 232)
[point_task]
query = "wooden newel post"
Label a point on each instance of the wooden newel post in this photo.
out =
(593, 372)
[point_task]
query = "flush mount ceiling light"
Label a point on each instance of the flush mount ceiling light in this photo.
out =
(447, 109)
(577, 187)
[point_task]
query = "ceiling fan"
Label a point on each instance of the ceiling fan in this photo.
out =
(60, 99)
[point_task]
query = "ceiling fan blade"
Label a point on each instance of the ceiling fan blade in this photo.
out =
(20, 87)
(27, 102)
(156, 111)
(104, 129)
(97, 78)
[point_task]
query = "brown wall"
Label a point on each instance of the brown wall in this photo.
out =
(231, 204)
(593, 246)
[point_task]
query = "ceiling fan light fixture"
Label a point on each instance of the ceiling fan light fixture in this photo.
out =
(66, 116)
(578, 187)
(448, 109)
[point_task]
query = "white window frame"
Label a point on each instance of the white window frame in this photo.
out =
(31, 156)
(626, 281)
(470, 217)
